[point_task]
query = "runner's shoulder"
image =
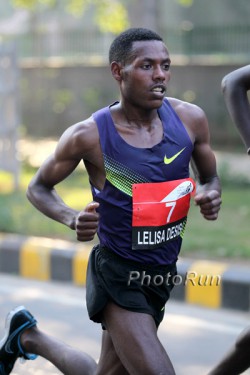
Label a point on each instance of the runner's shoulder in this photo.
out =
(180, 105)
(80, 138)
(191, 114)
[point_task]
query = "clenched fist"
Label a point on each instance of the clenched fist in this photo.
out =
(86, 223)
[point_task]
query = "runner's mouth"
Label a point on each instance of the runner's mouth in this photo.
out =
(159, 89)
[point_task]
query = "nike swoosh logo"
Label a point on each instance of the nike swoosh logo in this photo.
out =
(169, 160)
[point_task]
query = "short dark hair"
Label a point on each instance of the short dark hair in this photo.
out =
(122, 45)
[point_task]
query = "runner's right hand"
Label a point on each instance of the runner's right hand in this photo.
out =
(86, 223)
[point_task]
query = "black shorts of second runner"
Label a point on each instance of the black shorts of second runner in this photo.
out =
(131, 285)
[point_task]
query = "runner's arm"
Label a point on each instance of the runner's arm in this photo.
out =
(42, 194)
(234, 87)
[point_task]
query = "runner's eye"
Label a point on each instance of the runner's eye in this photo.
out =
(166, 67)
(146, 66)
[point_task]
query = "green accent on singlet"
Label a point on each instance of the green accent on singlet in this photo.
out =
(183, 229)
(121, 176)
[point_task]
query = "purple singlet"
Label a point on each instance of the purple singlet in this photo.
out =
(126, 166)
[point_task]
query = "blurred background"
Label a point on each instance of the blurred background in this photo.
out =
(54, 72)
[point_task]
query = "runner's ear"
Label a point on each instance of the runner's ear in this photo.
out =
(116, 70)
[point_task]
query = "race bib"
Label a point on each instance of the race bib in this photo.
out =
(159, 212)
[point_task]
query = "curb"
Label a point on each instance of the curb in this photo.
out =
(205, 283)
(44, 259)
(213, 284)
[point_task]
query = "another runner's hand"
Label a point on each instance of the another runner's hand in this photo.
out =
(87, 222)
(209, 202)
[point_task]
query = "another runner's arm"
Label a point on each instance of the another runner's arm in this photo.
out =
(234, 87)
(41, 190)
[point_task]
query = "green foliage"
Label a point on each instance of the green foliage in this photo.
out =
(32, 4)
(27, 4)
(17, 215)
(110, 15)
(228, 236)
(61, 99)
(77, 7)
(185, 3)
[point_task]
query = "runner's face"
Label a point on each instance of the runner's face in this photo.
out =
(146, 75)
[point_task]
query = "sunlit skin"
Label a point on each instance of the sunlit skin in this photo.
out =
(235, 88)
(143, 83)
(147, 72)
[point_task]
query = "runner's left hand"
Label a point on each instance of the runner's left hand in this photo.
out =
(209, 202)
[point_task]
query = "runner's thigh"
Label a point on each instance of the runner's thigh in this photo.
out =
(134, 336)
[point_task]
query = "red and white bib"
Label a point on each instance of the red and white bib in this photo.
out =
(159, 212)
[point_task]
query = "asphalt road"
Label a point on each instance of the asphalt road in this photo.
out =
(194, 337)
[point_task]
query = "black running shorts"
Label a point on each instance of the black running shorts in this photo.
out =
(131, 285)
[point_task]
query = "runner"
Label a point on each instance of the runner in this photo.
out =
(137, 153)
(235, 86)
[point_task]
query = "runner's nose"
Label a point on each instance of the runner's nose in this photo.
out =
(159, 73)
